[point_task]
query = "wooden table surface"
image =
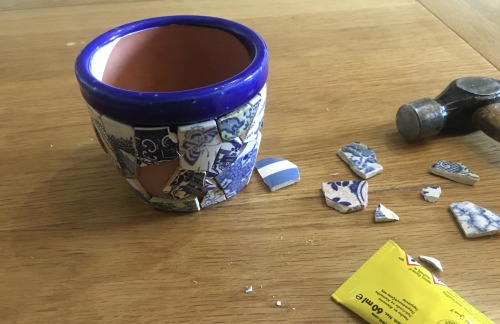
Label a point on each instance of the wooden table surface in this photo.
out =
(77, 247)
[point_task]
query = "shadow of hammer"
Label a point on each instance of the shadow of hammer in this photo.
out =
(466, 105)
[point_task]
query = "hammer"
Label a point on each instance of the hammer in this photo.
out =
(467, 104)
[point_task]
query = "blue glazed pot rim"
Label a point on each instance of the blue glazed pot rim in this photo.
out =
(179, 107)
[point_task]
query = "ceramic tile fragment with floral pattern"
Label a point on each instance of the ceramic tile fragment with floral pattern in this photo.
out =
(361, 159)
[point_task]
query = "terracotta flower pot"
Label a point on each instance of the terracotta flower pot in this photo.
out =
(177, 102)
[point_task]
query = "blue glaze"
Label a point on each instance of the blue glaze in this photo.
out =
(179, 107)
(280, 172)
(236, 176)
(185, 183)
(154, 146)
(361, 159)
(350, 194)
(227, 155)
(475, 220)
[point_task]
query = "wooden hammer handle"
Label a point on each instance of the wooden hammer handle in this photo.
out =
(487, 119)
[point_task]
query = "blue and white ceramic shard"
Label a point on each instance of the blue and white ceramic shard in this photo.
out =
(187, 204)
(185, 183)
(213, 197)
(384, 214)
(346, 196)
(475, 220)
(183, 132)
(431, 193)
(361, 159)
(155, 145)
(237, 176)
(454, 171)
(234, 124)
(227, 155)
(277, 172)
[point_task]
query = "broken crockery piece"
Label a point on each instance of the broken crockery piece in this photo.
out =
(475, 220)
(432, 261)
(346, 196)
(277, 172)
(431, 193)
(361, 159)
(384, 214)
(454, 171)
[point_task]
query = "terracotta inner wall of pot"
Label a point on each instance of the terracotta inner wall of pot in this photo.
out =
(175, 58)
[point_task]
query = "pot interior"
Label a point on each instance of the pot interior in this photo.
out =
(170, 58)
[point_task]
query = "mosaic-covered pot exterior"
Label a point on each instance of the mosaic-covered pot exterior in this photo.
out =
(186, 150)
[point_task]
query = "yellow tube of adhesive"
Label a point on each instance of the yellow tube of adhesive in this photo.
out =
(391, 287)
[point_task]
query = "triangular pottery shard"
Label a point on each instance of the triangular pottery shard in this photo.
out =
(384, 214)
(454, 171)
(475, 220)
(346, 196)
(361, 159)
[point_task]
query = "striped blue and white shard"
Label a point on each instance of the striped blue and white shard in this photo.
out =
(277, 172)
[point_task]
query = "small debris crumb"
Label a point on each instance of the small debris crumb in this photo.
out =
(70, 44)
(195, 281)
(278, 303)
(248, 289)
(293, 308)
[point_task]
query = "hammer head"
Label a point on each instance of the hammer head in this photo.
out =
(453, 109)
(419, 119)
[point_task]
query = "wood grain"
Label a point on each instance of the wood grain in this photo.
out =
(476, 21)
(77, 247)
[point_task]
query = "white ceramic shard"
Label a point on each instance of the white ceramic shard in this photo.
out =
(361, 159)
(346, 196)
(432, 261)
(249, 289)
(277, 173)
(432, 193)
(475, 220)
(384, 214)
(454, 171)
(278, 303)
